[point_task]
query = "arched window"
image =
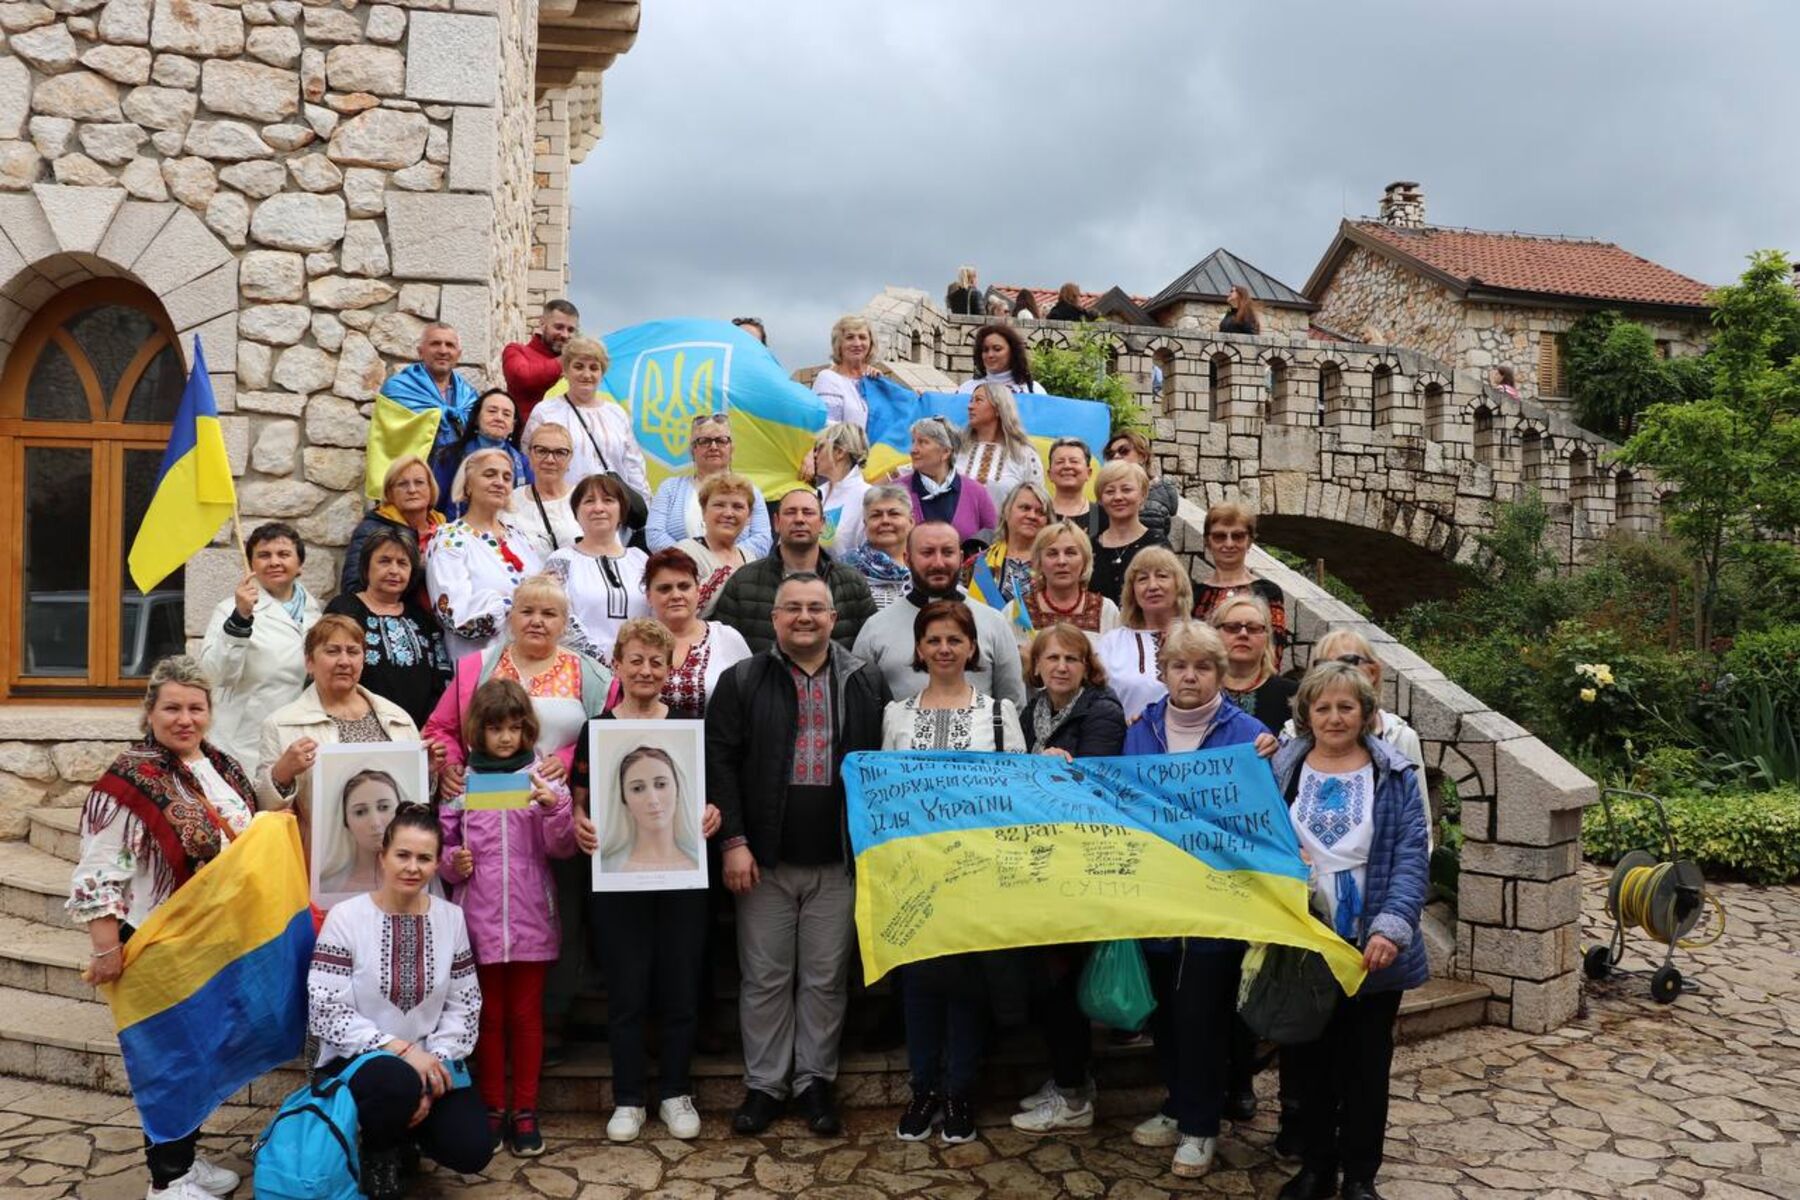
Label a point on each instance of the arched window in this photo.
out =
(1488, 443)
(86, 398)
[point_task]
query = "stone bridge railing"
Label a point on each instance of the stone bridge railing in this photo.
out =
(1519, 904)
(1375, 436)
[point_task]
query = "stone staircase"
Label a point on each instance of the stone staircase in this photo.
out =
(53, 1027)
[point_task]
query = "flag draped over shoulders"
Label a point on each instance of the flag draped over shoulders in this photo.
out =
(194, 493)
(412, 417)
(959, 852)
(213, 989)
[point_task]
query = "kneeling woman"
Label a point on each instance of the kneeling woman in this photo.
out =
(1355, 807)
(1195, 979)
(393, 971)
(942, 998)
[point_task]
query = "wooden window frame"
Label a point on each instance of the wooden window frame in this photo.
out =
(108, 436)
(1552, 367)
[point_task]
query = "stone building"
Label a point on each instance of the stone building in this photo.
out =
(300, 186)
(1480, 299)
(1195, 299)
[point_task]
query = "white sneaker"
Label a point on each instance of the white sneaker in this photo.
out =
(626, 1124)
(1048, 1089)
(211, 1177)
(1194, 1156)
(677, 1112)
(1158, 1131)
(182, 1189)
(1055, 1113)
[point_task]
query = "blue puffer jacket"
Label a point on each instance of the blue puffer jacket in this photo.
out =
(1146, 735)
(1398, 876)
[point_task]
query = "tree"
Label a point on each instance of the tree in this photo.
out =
(1083, 371)
(1734, 456)
(1615, 373)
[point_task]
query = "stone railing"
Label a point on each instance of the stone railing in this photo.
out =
(1376, 436)
(1519, 905)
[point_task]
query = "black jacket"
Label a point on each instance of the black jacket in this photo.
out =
(747, 603)
(1062, 310)
(750, 741)
(965, 302)
(1229, 323)
(1096, 729)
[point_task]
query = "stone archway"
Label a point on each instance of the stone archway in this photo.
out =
(1388, 571)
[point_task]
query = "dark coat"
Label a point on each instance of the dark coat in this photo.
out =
(750, 724)
(1062, 310)
(1096, 729)
(1397, 880)
(747, 602)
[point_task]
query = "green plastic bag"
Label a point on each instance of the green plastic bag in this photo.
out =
(1115, 986)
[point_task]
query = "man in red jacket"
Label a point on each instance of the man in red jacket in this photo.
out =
(532, 367)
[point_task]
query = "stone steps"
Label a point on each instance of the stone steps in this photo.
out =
(34, 884)
(43, 958)
(56, 831)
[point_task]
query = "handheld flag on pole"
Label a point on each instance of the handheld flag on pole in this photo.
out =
(193, 495)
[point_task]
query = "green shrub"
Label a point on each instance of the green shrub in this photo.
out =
(1770, 657)
(1337, 587)
(1083, 371)
(1755, 836)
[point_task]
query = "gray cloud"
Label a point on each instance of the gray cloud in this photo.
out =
(788, 160)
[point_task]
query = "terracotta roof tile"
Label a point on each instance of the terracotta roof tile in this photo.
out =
(1547, 265)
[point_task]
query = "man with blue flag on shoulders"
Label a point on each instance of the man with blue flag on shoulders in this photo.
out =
(432, 384)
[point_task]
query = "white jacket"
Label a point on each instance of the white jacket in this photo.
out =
(253, 676)
(306, 717)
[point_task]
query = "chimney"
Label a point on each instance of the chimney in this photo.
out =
(1403, 205)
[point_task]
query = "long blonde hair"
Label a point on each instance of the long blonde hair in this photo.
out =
(1013, 439)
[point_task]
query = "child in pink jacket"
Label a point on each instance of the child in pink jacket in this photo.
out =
(497, 861)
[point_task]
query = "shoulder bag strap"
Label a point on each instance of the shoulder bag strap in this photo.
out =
(592, 440)
(548, 528)
(999, 729)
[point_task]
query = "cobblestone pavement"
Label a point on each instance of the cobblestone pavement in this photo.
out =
(1701, 1098)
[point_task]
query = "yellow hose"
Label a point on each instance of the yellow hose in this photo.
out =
(1636, 891)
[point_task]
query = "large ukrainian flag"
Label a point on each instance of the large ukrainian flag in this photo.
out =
(893, 409)
(959, 852)
(194, 493)
(214, 985)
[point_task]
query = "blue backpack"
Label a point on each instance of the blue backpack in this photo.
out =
(308, 1150)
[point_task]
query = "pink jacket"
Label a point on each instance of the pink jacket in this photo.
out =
(444, 726)
(509, 900)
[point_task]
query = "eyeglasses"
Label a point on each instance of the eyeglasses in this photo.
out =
(711, 441)
(1236, 627)
(554, 453)
(1228, 535)
(1354, 660)
(811, 610)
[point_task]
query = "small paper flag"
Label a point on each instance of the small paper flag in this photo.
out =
(493, 792)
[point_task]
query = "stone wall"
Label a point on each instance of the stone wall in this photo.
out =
(1374, 436)
(1374, 298)
(548, 277)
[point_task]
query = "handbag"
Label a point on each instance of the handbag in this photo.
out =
(1286, 995)
(1115, 986)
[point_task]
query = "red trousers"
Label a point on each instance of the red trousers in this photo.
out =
(512, 1030)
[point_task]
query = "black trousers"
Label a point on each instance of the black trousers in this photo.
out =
(169, 1161)
(1343, 1081)
(650, 944)
(1193, 1024)
(387, 1090)
(1068, 1032)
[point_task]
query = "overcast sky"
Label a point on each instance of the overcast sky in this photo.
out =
(789, 159)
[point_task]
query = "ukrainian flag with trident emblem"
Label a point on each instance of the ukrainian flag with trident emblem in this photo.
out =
(666, 373)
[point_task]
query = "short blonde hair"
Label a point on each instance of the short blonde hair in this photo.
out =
(1119, 469)
(1069, 637)
(541, 588)
(1253, 601)
(850, 324)
(651, 633)
(582, 346)
(1025, 487)
(552, 428)
(1154, 558)
(727, 483)
(1322, 677)
(1047, 537)
(402, 463)
(1187, 640)
(1230, 513)
(459, 483)
(179, 669)
(1346, 641)
(841, 437)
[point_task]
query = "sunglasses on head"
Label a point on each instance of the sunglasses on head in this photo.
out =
(756, 321)
(1354, 660)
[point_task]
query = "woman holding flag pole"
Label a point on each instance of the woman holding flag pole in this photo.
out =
(1062, 558)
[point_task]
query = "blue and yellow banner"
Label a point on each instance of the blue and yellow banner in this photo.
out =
(959, 852)
(213, 991)
(666, 373)
(193, 494)
(893, 408)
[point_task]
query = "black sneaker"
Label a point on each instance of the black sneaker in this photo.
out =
(756, 1113)
(1241, 1105)
(497, 1129)
(959, 1120)
(820, 1109)
(920, 1116)
(527, 1142)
